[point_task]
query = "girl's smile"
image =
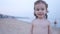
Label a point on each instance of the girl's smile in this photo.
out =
(40, 14)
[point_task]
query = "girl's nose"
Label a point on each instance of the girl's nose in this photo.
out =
(40, 10)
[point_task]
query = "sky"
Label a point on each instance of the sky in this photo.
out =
(24, 8)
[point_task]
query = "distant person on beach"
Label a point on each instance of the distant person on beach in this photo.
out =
(41, 25)
(55, 23)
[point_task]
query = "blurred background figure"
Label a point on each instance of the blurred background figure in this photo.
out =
(55, 23)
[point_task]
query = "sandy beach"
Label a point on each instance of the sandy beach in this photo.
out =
(13, 26)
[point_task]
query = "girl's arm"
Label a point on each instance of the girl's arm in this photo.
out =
(49, 29)
(31, 29)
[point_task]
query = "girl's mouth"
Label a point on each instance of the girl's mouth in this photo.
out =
(40, 14)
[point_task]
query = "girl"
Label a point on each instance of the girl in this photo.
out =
(40, 25)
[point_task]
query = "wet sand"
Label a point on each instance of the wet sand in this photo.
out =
(56, 30)
(13, 26)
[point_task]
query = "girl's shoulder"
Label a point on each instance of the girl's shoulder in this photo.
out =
(48, 22)
(34, 21)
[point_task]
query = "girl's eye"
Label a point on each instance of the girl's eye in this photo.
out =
(42, 8)
(37, 9)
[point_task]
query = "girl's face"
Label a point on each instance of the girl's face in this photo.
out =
(40, 10)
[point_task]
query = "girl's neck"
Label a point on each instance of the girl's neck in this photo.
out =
(41, 18)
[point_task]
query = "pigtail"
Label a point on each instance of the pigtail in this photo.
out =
(46, 16)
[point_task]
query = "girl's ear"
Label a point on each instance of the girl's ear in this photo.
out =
(35, 15)
(47, 11)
